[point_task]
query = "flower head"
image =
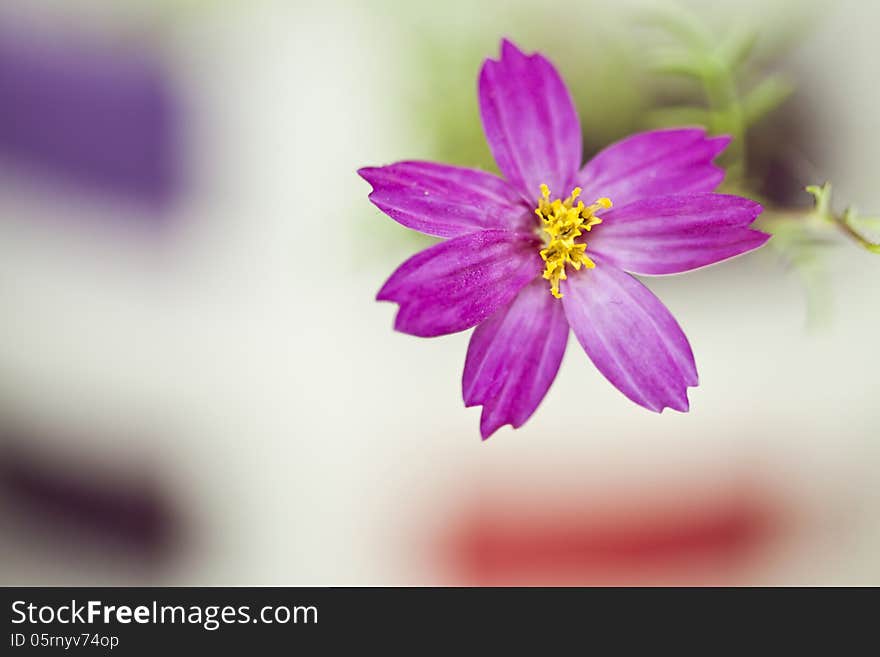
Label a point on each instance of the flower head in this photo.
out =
(522, 264)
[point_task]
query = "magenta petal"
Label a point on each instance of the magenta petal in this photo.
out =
(530, 122)
(672, 234)
(513, 358)
(630, 336)
(457, 284)
(656, 163)
(443, 200)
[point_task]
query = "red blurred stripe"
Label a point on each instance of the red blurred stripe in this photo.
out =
(639, 541)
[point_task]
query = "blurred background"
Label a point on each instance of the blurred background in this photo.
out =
(198, 388)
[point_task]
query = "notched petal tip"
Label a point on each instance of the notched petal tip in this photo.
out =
(403, 324)
(761, 238)
(716, 146)
(721, 141)
(468, 396)
(383, 295)
(367, 174)
(372, 176)
(680, 404)
(749, 205)
(508, 52)
(493, 418)
(489, 425)
(508, 49)
(488, 431)
(403, 317)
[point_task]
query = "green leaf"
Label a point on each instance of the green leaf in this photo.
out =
(867, 224)
(766, 97)
(678, 63)
(680, 23)
(859, 227)
(736, 48)
(823, 198)
(666, 117)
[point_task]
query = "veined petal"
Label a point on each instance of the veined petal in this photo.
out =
(455, 285)
(513, 358)
(672, 234)
(630, 336)
(655, 163)
(443, 200)
(530, 122)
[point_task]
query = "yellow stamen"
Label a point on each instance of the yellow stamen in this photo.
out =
(562, 222)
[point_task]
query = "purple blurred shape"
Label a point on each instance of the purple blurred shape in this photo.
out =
(101, 117)
(74, 501)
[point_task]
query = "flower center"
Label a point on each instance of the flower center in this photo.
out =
(562, 222)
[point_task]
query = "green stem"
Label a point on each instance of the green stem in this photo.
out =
(728, 115)
(846, 227)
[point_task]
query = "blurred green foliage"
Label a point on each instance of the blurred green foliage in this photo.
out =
(722, 68)
(660, 67)
(736, 94)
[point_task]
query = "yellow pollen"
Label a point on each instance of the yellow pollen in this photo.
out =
(562, 222)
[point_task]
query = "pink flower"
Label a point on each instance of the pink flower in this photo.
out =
(518, 266)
